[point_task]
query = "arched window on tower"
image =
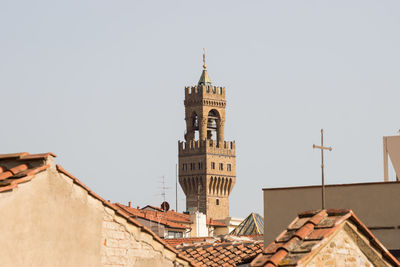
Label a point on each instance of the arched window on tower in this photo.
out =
(212, 124)
(195, 126)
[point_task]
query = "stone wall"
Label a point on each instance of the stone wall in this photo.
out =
(340, 251)
(126, 245)
(347, 247)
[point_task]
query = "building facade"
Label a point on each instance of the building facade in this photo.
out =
(207, 163)
(376, 204)
(50, 218)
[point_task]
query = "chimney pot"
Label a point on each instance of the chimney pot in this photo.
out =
(129, 204)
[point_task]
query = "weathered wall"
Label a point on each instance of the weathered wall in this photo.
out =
(50, 221)
(125, 245)
(340, 251)
(158, 229)
(376, 204)
(347, 248)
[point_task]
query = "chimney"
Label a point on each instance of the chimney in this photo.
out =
(130, 204)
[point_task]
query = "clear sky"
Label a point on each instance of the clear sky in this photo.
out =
(101, 84)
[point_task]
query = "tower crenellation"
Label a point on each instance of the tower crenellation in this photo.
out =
(207, 162)
(210, 146)
(215, 92)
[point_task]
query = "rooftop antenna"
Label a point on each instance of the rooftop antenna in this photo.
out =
(322, 147)
(163, 188)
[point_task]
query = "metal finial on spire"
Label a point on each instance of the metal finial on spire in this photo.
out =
(204, 79)
(204, 59)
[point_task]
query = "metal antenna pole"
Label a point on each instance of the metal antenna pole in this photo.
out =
(176, 187)
(322, 147)
(322, 170)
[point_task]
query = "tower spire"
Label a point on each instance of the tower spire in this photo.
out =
(204, 79)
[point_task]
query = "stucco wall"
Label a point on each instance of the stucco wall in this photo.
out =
(50, 221)
(376, 204)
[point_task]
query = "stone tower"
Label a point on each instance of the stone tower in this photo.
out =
(207, 163)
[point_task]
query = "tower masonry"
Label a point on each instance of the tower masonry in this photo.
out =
(207, 163)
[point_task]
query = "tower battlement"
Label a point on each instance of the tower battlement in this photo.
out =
(205, 91)
(207, 146)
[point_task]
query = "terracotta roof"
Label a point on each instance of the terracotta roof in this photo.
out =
(178, 216)
(188, 240)
(212, 222)
(165, 218)
(223, 253)
(152, 207)
(19, 168)
(307, 232)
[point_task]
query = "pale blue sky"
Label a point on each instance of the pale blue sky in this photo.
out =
(101, 84)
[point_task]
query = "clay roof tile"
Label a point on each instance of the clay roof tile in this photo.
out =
(306, 232)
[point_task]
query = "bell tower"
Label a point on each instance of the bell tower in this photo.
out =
(207, 163)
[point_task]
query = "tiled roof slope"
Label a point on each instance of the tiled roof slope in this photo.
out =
(309, 231)
(20, 168)
(175, 242)
(212, 222)
(188, 240)
(150, 207)
(225, 253)
(166, 218)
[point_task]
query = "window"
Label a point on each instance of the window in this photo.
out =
(221, 166)
(184, 166)
(175, 234)
(229, 167)
(217, 202)
(212, 165)
(192, 166)
(200, 165)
